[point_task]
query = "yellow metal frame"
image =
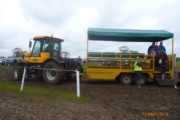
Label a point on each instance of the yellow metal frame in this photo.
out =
(95, 69)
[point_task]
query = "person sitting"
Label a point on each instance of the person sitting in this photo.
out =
(50, 46)
(161, 47)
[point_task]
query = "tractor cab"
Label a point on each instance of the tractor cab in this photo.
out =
(45, 47)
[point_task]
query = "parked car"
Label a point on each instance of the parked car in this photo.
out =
(1, 61)
(7, 62)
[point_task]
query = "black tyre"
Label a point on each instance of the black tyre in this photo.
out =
(75, 65)
(126, 79)
(53, 72)
(144, 79)
(117, 79)
(18, 71)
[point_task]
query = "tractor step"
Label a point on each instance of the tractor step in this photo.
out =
(167, 80)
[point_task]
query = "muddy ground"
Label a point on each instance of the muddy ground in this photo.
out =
(109, 101)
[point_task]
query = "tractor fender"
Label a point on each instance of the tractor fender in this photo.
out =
(54, 59)
(19, 60)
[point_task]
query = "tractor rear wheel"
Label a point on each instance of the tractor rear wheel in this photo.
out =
(18, 71)
(53, 72)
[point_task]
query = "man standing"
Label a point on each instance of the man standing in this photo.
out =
(152, 48)
(138, 70)
(163, 60)
(161, 47)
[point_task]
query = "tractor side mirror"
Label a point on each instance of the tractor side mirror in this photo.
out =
(30, 43)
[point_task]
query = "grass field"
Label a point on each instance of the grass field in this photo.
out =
(177, 65)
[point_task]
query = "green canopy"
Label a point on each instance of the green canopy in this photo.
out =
(128, 35)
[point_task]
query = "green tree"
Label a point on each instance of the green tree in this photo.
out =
(17, 52)
(125, 49)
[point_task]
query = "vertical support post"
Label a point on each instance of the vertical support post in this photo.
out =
(22, 83)
(87, 54)
(77, 83)
(173, 46)
(172, 77)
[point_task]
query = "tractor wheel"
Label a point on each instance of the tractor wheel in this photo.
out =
(143, 81)
(52, 73)
(18, 71)
(126, 79)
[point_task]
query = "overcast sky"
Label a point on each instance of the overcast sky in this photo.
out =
(21, 20)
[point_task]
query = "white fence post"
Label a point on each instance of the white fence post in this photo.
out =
(77, 83)
(22, 83)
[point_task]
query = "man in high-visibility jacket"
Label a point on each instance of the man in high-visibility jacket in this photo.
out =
(138, 70)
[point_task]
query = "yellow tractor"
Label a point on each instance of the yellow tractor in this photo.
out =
(46, 61)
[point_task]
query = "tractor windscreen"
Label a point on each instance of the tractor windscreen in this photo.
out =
(37, 48)
(51, 45)
(46, 45)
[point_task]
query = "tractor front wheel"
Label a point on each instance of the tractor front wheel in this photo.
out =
(53, 73)
(18, 71)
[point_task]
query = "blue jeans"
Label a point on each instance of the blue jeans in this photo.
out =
(138, 77)
(163, 68)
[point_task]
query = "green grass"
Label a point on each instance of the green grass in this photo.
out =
(38, 91)
(84, 67)
(177, 65)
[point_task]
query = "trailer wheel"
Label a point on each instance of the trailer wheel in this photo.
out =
(52, 73)
(126, 79)
(144, 79)
(18, 71)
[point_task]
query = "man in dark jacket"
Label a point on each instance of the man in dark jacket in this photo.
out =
(163, 59)
(151, 48)
(161, 47)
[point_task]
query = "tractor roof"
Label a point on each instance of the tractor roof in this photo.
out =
(128, 35)
(42, 37)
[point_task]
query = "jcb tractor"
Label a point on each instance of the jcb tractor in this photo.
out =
(46, 61)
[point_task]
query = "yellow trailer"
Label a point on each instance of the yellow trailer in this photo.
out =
(118, 66)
